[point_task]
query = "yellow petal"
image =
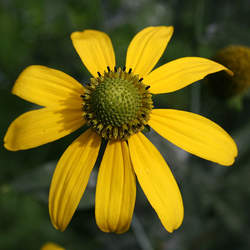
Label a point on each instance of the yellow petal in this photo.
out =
(157, 181)
(195, 134)
(179, 73)
(48, 87)
(116, 189)
(146, 48)
(95, 49)
(51, 246)
(71, 177)
(38, 127)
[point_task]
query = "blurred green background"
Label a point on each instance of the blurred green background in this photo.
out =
(216, 198)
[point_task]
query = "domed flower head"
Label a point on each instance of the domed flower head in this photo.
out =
(237, 59)
(116, 105)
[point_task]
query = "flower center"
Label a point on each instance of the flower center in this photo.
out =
(117, 104)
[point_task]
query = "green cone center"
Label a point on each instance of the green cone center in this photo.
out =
(117, 104)
(116, 101)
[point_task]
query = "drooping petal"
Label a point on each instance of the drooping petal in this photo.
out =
(71, 177)
(179, 73)
(95, 50)
(38, 127)
(116, 189)
(51, 246)
(48, 87)
(195, 134)
(157, 181)
(146, 48)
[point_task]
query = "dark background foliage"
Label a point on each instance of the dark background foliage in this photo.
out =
(216, 198)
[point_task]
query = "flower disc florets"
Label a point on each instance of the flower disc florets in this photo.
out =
(117, 104)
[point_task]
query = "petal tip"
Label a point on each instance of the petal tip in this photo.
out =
(15, 89)
(84, 34)
(230, 162)
(8, 142)
(173, 228)
(57, 225)
(230, 72)
(76, 35)
(8, 147)
(234, 154)
(169, 30)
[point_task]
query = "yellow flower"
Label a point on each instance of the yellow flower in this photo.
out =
(51, 246)
(116, 105)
